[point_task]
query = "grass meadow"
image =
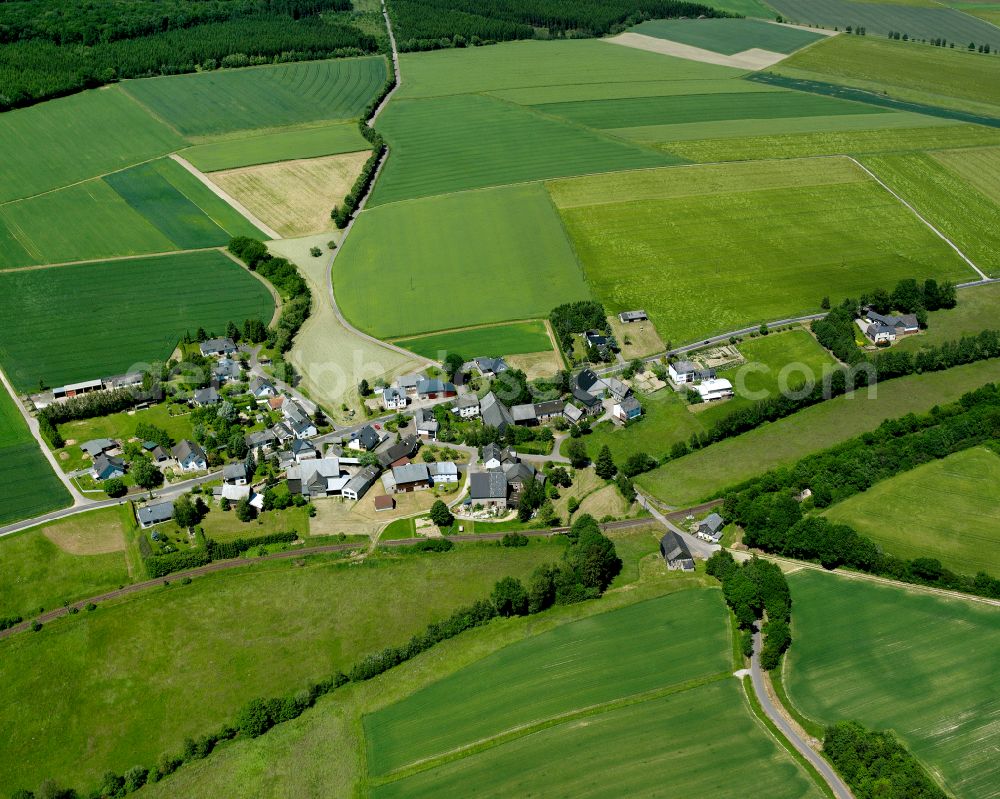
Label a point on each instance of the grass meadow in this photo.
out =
(978, 309)
(958, 522)
(492, 342)
(267, 148)
(457, 260)
(74, 138)
(729, 36)
(71, 559)
(949, 202)
(126, 682)
(530, 64)
(613, 90)
(904, 70)
(707, 472)
(30, 486)
(223, 101)
(923, 666)
(703, 248)
(116, 314)
(437, 147)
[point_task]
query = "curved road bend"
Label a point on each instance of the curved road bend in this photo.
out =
(837, 785)
(223, 565)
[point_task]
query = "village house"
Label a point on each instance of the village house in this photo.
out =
(367, 438)
(384, 502)
(880, 328)
(261, 441)
(262, 389)
(399, 453)
(234, 474)
(490, 367)
(488, 489)
(107, 467)
(675, 552)
(206, 396)
(360, 483)
(432, 388)
(394, 398)
(443, 472)
(495, 413)
(406, 478)
(298, 420)
(217, 347)
(682, 371)
(303, 450)
(426, 423)
(150, 515)
(518, 475)
(156, 453)
(320, 477)
(572, 414)
(628, 410)
(190, 456)
(710, 528)
(531, 415)
(98, 446)
(409, 384)
(494, 456)
(715, 389)
(227, 370)
(628, 317)
(467, 406)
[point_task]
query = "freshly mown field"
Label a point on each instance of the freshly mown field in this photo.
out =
(723, 145)
(980, 168)
(958, 521)
(904, 70)
(437, 147)
(210, 103)
(703, 248)
(294, 197)
(636, 112)
(978, 309)
(961, 212)
(457, 260)
(491, 342)
(74, 138)
(126, 682)
(312, 142)
(879, 18)
(729, 36)
(709, 471)
(81, 322)
(64, 561)
(923, 666)
(647, 646)
(527, 64)
(614, 691)
(30, 486)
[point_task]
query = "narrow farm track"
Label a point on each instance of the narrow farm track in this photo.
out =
(224, 565)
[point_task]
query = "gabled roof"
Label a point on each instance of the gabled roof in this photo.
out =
(404, 448)
(368, 437)
(673, 547)
(571, 412)
(410, 473)
(442, 469)
(549, 408)
(259, 385)
(523, 413)
(617, 387)
(301, 445)
(487, 485)
(206, 396)
(154, 514)
(495, 413)
(713, 522)
(587, 379)
(96, 446)
(467, 401)
(519, 472)
(260, 438)
(105, 467)
(684, 367)
(585, 397)
(630, 404)
(495, 365)
(361, 481)
(491, 452)
(393, 394)
(218, 345)
(185, 449)
(434, 386)
(408, 381)
(234, 471)
(633, 316)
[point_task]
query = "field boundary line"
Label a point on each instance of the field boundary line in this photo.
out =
(538, 725)
(464, 329)
(225, 196)
(278, 302)
(917, 214)
(108, 260)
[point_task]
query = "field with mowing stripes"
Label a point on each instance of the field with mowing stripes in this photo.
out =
(116, 314)
(980, 168)
(437, 147)
(493, 342)
(404, 265)
(709, 471)
(30, 486)
(592, 688)
(922, 666)
(958, 522)
(76, 683)
(728, 36)
(540, 95)
(74, 138)
(210, 103)
(339, 137)
(701, 248)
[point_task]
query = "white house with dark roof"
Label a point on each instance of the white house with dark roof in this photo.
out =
(628, 410)
(235, 474)
(150, 515)
(710, 528)
(262, 389)
(426, 423)
(443, 472)
(358, 485)
(107, 467)
(206, 396)
(490, 367)
(190, 456)
(217, 347)
(682, 371)
(488, 489)
(394, 398)
(467, 406)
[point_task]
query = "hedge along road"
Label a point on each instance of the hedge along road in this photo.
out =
(236, 563)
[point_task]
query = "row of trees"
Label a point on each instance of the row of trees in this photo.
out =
(162, 565)
(577, 317)
(753, 589)
(588, 566)
(427, 24)
(35, 69)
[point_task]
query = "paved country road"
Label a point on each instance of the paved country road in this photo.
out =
(837, 785)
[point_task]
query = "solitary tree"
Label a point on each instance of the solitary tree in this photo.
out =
(245, 512)
(509, 597)
(145, 473)
(576, 451)
(440, 514)
(605, 464)
(185, 513)
(115, 487)
(364, 389)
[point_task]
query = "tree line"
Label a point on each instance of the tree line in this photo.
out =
(162, 565)
(588, 566)
(775, 520)
(432, 24)
(36, 69)
(578, 317)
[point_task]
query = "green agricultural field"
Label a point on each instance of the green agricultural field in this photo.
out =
(74, 138)
(454, 261)
(978, 309)
(729, 147)
(101, 681)
(72, 559)
(980, 168)
(631, 651)
(491, 342)
(729, 36)
(437, 147)
(634, 750)
(878, 19)
(748, 8)
(703, 248)
(892, 658)
(179, 205)
(957, 521)
(904, 70)
(709, 471)
(539, 95)
(673, 110)
(312, 142)
(116, 314)
(961, 212)
(30, 486)
(526, 64)
(210, 103)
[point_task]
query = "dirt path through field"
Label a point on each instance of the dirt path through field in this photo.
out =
(752, 59)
